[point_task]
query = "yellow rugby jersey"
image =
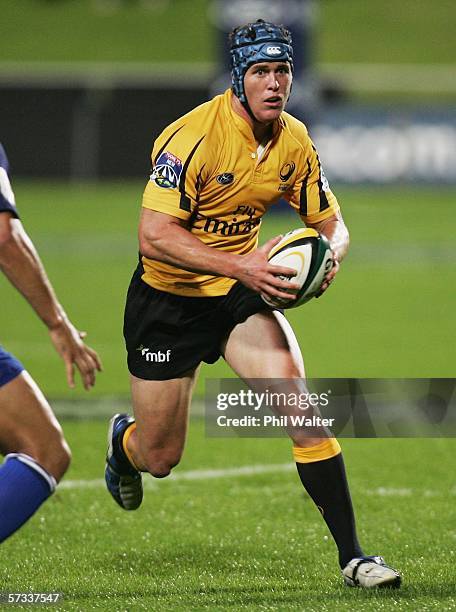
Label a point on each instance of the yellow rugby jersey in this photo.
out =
(206, 171)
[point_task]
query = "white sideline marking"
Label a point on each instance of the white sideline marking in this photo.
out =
(252, 470)
(390, 492)
(244, 470)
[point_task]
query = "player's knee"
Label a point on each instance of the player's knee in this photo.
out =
(55, 458)
(303, 440)
(64, 459)
(161, 466)
(295, 370)
(289, 367)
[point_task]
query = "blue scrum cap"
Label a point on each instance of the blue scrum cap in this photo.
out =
(254, 43)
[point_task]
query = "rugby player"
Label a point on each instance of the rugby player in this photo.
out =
(196, 293)
(37, 455)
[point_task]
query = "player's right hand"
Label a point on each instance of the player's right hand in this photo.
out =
(68, 343)
(255, 272)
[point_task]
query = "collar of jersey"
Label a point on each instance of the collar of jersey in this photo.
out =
(242, 124)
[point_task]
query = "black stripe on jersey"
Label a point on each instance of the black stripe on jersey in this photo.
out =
(303, 194)
(185, 202)
(169, 139)
(198, 183)
(324, 204)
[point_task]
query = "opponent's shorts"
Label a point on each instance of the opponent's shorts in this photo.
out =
(167, 335)
(10, 367)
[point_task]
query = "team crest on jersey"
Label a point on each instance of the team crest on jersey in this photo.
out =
(167, 171)
(286, 171)
(225, 179)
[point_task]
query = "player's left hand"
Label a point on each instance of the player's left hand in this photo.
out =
(329, 277)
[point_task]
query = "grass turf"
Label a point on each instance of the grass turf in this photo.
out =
(241, 542)
(252, 542)
(389, 314)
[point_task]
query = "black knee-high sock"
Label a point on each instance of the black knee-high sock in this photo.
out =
(326, 483)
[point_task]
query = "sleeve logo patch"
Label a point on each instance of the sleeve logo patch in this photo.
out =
(167, 171)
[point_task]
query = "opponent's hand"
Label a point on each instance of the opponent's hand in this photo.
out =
(68, 343)
(329, 277)
(261, 276)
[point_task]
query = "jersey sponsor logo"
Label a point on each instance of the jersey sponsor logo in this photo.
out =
(274, 51)
(286, 171)
(225, 179)
(244, 209)
(167, 171)
(235, 226)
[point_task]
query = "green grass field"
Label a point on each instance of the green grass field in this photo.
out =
(215, 537)
(89, 30)
(222, 541)
(390, 314)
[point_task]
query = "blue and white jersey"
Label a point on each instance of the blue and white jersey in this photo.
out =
(7, 202)
(10, 367)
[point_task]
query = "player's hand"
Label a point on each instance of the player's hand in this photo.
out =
(264, 278)
(68, 343)
(329, 277)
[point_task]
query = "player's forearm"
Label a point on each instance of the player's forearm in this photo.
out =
(178, 247)
(336, 232)
(21, 265)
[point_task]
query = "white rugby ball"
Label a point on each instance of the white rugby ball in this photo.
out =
(307, 252)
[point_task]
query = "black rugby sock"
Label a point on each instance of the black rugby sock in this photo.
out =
(326, 483)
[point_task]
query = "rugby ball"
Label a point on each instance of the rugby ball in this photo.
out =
(307, 252)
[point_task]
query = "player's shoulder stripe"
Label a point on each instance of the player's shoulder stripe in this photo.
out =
(162, 148)
(185, 203)
(324, 203)
(189, 128)
(201, 118)
(296, 130)
(303, 192)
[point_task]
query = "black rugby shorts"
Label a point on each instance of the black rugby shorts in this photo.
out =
(166, 335)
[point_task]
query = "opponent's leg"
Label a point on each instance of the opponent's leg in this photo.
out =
(152, 442)
(37, 455)
(264, 346)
